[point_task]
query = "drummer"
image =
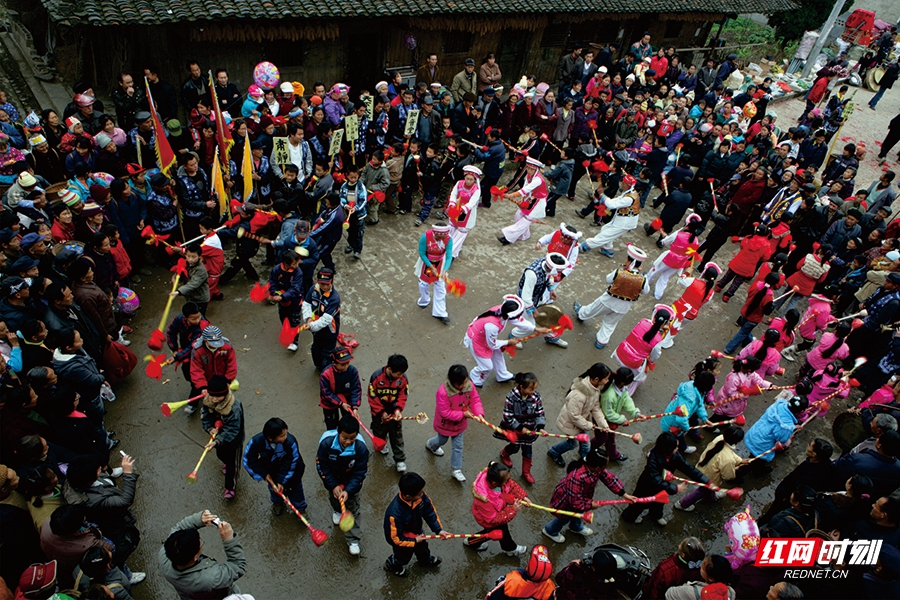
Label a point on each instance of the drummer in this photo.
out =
(536, 287)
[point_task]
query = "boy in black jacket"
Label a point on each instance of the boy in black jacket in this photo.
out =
(273, 456)
(431, 182)
(342, 462)
(663, 457)
(286, 288)
(403, 526)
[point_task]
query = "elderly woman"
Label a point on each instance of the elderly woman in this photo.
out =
(8, 157)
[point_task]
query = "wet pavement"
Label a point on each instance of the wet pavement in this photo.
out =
(379, 294)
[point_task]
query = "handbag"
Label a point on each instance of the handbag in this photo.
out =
(118, 362)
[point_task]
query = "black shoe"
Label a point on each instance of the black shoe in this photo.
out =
(444, 320)
(503, 240)
(559, 460)
(402, 572)
(278, 509)
(433, 562)
(114, 444)
(348, 250)
(620, 458)
(110, 433)
(580, 214)
(647, 229)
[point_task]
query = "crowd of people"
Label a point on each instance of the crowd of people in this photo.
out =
(88, 210)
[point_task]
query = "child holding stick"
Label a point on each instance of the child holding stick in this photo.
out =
(523, 408)
(403, 526)
(221, 405)
(496, 503)
(388, 391)
(286, 289)
(455, 401)
(273, 456)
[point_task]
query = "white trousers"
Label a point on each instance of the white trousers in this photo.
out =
(609, 318)
(458, 235)
(484, 366)
(664, 272)
(519, 230)
(521, 332)
(439, 306)
(607, 235)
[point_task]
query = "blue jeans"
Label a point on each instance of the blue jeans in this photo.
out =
(792, 302)
(457, 445)
(742, 337)
(564, 446)
(427, 204)
(556, 525)
(874, 101)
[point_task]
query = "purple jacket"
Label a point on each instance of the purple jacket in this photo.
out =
(334, 110)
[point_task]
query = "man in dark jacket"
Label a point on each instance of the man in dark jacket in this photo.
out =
(164, 95)
(16, 306)
(328, 229)
(570, 69)
(663, 457)
(62, 313)
(716, 164)
(813, 151)
(890, 140)
(342, 462)
(881, 465)
(886, 83)
(403, 526)
(273, 456)
(493, 156)
(462, 121)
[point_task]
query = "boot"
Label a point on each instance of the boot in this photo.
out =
(526, 470)
(505, 458)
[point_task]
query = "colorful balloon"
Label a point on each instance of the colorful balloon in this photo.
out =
(127, 300)
(750, 110)
(266, 75)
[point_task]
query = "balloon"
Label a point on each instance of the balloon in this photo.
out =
(127, 300)
(750, 110)
(266, 75)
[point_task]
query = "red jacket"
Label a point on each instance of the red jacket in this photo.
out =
(205, 363)
(804, 281)
(780, 239)
(757, 315)
(818, 90)
(748, 194)
(754, 250)
(387, 395)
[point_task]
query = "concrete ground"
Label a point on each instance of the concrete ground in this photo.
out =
(379, 294)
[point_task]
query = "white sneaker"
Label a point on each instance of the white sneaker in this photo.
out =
(384, 451)
(788, 353)
(559, 538)
(137, 577)
(662, 522)
(354, 548)
(519, 551)
(436, 451)
(584, 531)
(116, 473)
(401, 467)
(690, 450)
(292, 347)
(680, 507)
(721, 494)
(519, 345)
(125, 342)
(190, 409)
(639, 520)
(336, 518)
(458, 475)
(558, 342)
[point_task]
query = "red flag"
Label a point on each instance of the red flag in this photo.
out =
(165, 158)
(223, 133)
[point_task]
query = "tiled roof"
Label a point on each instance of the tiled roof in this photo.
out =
(150, 12)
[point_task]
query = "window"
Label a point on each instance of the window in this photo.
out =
(555, 36)
(673, 29)
(458, 42)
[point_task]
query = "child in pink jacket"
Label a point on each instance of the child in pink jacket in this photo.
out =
(742, 382)
(766, 352)
(497, 500)
(456, 401)
(814, 320)
(831, 347)
(825, 383)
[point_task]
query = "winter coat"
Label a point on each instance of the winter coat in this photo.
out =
(205, 363)
(652, 480)
(493, 507)
(449, 404)
(403, 521)
(68, 550)
(754, 250)
(105, 504)
(561, 176)
(804, 282)
(196, 288)
(815, 358)
(883, 470)
(208, 578)
(345, 467)
(769, 364)
(734, 382)
(281, 461)
(80, 372)
(522, 412)
(775, 425)
(563, 125)
(616, 403)
(493, 159)
(581, 412)
(96, 306)
(232, 431)
(689, 396)
(723, 466)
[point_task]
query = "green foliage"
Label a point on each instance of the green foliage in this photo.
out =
(790, 25)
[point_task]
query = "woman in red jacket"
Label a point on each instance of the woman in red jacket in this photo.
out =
(758, 304)
(754, 250)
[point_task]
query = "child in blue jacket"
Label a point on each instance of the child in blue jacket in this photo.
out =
(691, 394)
(273, 456)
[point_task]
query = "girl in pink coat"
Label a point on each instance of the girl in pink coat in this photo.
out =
(640, 350)
(814, 320)
(786, 325)
(742, 382)
(825, 382)
(831, 347)
(497, 499)
(455, 401)
(766, 352)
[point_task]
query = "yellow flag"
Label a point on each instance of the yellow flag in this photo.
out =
(247, 169)
(219, 184)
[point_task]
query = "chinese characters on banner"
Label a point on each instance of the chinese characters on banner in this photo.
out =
(336, 140)
(412, 123)
(809, 552)
(351, 126)
(280, 151)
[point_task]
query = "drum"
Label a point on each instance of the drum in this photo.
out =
(873, 78)
(547, 315)
(848, 431)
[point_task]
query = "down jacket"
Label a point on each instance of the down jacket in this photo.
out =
(582, 412)
(492, 507)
